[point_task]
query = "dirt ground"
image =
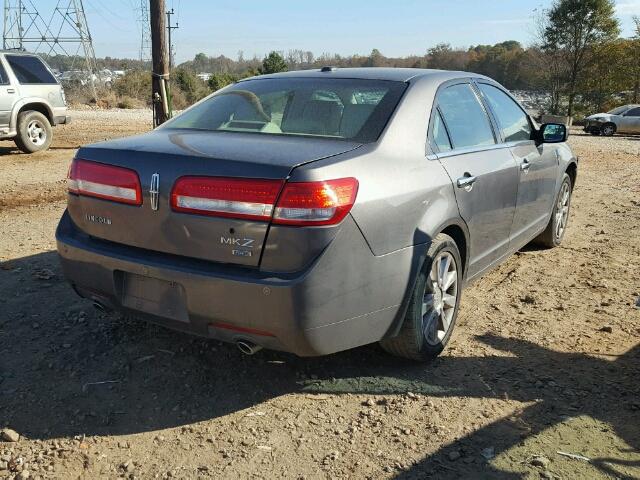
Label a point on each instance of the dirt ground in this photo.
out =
(545, 359)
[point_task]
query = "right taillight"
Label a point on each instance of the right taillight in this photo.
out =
(316, 203)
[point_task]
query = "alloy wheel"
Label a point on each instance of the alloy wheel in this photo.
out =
(440, 298)
(562, 209)
(36, 132)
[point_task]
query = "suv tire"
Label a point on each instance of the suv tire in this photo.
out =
(34, 132)
(433, 305)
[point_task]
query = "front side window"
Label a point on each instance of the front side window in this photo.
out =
(350, 109)
(467, 122)
(30, 70)
(513, 122)
(634, 112)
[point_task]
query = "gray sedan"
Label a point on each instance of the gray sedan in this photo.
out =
(317, 211)
(624, 119)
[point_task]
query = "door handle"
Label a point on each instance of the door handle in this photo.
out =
(466, 182)
(11, 90)
(525, 165)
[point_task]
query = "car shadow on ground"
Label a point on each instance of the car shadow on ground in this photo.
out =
(70, 370)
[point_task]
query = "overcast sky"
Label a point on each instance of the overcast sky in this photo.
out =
(395, 27)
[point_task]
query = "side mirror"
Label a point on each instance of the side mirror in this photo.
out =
(553, 133)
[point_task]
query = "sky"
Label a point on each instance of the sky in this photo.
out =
(395, 27)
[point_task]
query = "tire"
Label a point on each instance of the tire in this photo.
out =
(608, 129)
(34, 132)
(416, 341)
(554, 233)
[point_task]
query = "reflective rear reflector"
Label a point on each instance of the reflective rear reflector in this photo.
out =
(253, 331)
(251, 199)
(316, 203)
(103, 181)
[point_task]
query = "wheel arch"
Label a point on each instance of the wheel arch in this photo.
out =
(572, 171)
(35, 105)
(458, 231)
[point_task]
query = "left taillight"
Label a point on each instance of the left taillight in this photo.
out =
(107, 182)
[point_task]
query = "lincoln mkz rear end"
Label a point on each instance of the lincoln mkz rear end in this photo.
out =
(289, 212)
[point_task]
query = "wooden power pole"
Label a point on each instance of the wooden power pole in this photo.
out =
(160, 62)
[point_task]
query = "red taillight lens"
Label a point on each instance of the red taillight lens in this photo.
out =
(104, 181)
(316, 203)
(251, 199)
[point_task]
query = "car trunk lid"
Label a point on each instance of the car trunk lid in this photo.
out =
(162, 157)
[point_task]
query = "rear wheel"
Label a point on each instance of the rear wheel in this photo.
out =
(34, 132)
(433, 306)
(608, 129)
(553, 234)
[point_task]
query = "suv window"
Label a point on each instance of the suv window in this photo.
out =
(465, 117)
(30, 70)
(4, 79)
(513, 122)
(634, 112)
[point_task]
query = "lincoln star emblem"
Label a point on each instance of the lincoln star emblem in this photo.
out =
(154, 190)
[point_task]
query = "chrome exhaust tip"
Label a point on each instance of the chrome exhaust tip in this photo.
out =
(248, 348)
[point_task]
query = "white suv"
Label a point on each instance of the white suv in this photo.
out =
(31, 101)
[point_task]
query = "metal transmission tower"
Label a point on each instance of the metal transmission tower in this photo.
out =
(25, 28)
(145, 31)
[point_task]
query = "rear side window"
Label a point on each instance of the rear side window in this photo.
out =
(467, 122)
(30, 70)
(513, 122)
(634, 112)
(440, 136)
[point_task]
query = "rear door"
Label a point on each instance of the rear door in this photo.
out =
(538, 164)
(483, 172)
(8, 95)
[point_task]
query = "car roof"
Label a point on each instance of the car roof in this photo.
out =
(18, 52)
(374, 73)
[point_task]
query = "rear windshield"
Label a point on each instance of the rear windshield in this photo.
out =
(349, 109)
(29, 70)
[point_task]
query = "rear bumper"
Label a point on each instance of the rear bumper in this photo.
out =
(62, 120)
(346, 298)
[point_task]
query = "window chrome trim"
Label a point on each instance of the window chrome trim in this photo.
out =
(464, 151)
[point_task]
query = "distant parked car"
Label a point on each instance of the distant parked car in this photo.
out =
(317, 211)
(31, 101)
(625, 119)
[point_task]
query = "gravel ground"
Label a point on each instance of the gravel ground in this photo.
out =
(545, 359)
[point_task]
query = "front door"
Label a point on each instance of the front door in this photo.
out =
(537, 165)
(630, 121)
(484, 174)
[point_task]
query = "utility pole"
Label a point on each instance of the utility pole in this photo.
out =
(169, 28)
(160, 64)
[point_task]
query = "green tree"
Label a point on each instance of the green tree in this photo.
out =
(221, 80)
(273, 63)
(633, 56)
(572, 29)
